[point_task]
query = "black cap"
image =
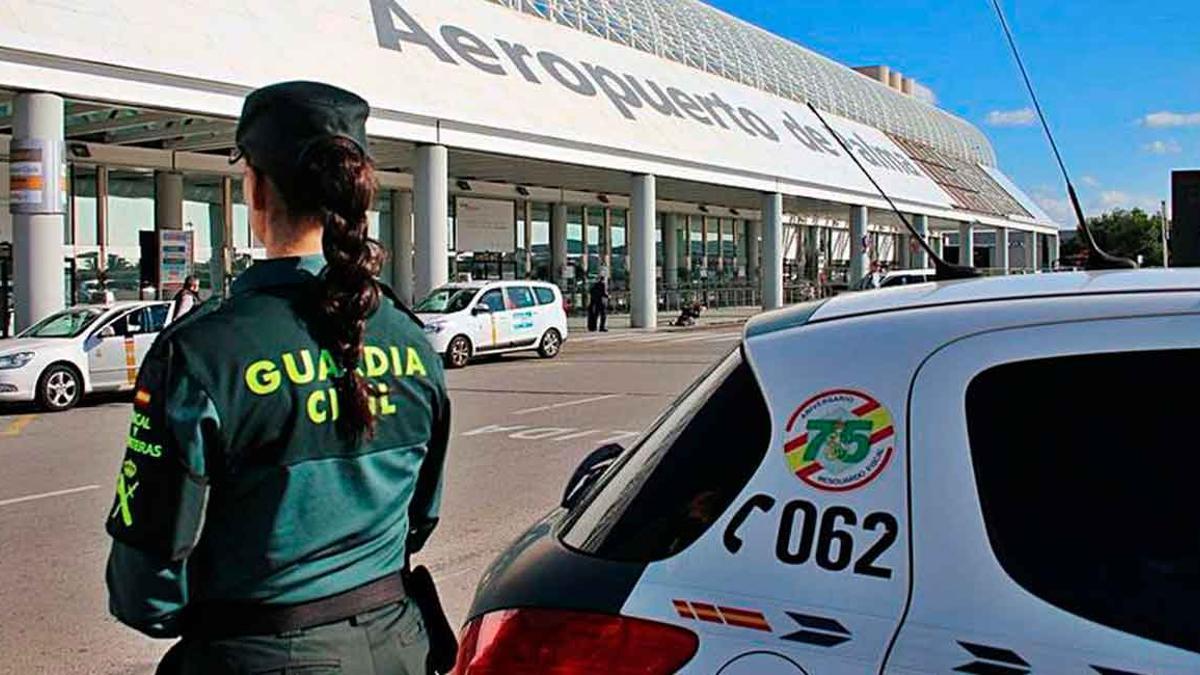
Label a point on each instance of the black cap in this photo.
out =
(280, 122)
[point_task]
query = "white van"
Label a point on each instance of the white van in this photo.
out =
(464, 320)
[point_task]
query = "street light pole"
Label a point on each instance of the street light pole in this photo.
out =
(1166, 237)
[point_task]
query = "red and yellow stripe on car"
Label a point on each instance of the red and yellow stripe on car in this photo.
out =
(131, 369)
(728, 616)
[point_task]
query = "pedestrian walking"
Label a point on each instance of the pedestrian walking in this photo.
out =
(286, 450)
(598, 305)
(187, 298)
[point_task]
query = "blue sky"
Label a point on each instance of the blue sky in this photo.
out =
(1120, 80)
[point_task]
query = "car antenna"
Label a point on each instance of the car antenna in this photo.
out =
(944, 270)
(1098, 259)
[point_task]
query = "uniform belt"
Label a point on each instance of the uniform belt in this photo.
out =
(239, 619)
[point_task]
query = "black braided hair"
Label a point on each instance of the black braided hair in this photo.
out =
(336, 183)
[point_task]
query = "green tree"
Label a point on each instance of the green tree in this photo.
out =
(1127, 234)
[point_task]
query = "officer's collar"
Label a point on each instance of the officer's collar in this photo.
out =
(280, 272)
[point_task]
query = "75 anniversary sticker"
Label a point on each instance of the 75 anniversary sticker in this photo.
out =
(839, 440)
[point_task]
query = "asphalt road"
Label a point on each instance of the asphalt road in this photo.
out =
(521, 425)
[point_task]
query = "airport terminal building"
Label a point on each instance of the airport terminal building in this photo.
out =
(660, 140)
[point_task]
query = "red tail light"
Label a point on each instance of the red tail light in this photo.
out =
(554, 642)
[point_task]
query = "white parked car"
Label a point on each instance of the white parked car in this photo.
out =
(991, 476)
(78, 351)
(897, 278)
(466, 320)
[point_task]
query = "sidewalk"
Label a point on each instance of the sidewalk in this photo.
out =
(725, 316)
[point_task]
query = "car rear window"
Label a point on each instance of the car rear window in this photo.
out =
(665, 493)
(545, 296)
(1086, 471)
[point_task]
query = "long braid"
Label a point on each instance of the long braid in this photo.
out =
(343, 184)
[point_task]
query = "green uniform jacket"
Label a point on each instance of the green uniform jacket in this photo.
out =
(237, 486)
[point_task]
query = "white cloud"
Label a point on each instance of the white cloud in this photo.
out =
(1090, 181)
(1012, 118)
(1059, 208)
(1111, 199)
(1164, 119)
(1118, 199)
(1168, 147)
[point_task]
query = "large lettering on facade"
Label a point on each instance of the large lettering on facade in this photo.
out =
(630, 95)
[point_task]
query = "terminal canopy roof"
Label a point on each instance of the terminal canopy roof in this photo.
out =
(479, 76)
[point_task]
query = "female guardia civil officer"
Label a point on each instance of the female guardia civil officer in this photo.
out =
(286, 449)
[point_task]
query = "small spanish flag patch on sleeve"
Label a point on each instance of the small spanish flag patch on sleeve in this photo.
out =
(142, 397)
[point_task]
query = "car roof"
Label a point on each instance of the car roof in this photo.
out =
(482, 283)
(911, 273)
(121, 304)
(973, 291)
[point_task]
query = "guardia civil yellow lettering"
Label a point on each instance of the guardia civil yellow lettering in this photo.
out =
(265, 377)
(143, 448)
(139, 423)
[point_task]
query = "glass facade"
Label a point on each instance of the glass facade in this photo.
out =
(130, 204)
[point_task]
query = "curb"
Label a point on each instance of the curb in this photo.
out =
(665, 328)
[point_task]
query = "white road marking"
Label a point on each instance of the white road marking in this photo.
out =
(45, 495)
(522, 432)
(709, 336)
(442, 578)
(654, 338)
(540, 433)
(566, 404)
(661, 338)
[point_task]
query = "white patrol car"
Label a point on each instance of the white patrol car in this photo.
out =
(84, 349)
(993, 476)
(469, 319)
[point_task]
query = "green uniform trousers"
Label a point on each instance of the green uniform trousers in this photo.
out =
(387, 641)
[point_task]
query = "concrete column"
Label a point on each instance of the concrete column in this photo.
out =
(431, 202)
(220, 219)
(640, 226)
(754, 230)
(1001, 261)
(772, 250)
(402, 245)
(168, 200)
(704, 244)
(671, 250)
(558, 242)
(584, 263)
(1052, 250)
(38, 235)
(1033, 256)
(859, 256)
(920, 259)
(966, 244)
(527, 215)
